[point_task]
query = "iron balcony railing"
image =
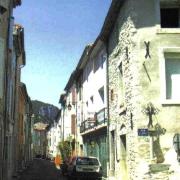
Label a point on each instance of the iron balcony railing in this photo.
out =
(99, 118)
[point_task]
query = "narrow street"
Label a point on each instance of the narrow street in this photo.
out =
(42, 169)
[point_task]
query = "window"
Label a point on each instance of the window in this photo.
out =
(79, 89)
(4, 5)
(121, 86)
(73, 93)
(172, 75)
(169, 17)
(170, 14)
(101, 93)
(73, 124)
(92, 99)
(99, 62)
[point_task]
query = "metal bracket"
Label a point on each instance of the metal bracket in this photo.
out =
(147, 44)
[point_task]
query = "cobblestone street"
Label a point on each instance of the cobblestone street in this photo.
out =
(42, 169)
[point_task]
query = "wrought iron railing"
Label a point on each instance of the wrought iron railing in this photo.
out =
(99, 118)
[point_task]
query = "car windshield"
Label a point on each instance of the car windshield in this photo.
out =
(87, 161)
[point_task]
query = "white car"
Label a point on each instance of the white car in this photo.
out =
(83, 167)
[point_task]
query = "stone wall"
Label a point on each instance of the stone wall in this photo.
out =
(136, 23)
(123, 49)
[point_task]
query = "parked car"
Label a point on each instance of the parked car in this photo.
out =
(81, 167)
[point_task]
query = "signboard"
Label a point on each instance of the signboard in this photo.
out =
(143, 132)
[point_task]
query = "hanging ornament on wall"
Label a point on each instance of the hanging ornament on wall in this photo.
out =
(147, 44)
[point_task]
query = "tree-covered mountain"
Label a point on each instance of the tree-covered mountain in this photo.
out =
(44, 112)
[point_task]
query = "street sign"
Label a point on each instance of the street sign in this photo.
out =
(143, 132)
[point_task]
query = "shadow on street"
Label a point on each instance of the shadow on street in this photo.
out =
(42, 169)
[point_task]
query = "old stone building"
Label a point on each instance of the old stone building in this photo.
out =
(12, 59)
(8, 89)
(23, 145)
(143, 60)
(19, 61)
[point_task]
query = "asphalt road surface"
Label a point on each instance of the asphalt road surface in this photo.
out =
(41, 169)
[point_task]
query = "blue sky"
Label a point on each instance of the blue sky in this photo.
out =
(56, 33)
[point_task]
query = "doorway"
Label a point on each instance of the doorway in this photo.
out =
(123, 156)
(112, 152)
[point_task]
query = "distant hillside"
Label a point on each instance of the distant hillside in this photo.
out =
(44, 112)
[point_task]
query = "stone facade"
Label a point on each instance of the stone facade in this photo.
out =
(12, 57)
(136, 47)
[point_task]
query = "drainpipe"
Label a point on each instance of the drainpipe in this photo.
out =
(63, 124)
(108, 116)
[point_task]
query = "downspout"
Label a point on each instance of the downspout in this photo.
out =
(76, 126)
(108, 116)
(63, 124)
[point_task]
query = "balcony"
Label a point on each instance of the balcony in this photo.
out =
(100, 119)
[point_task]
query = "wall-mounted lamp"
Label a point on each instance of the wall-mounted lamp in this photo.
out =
(147, 45)
(69, 107)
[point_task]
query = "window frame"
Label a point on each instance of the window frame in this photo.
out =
(162, 52)
(171, 30)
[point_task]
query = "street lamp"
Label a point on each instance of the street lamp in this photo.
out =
(69, 107)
